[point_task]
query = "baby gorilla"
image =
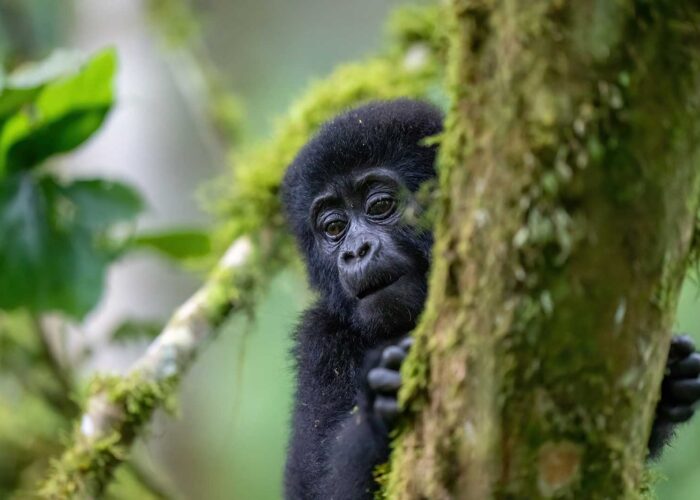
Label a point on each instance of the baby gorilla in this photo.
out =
(346, 195)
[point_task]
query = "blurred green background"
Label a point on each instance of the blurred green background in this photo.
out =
(229, 438)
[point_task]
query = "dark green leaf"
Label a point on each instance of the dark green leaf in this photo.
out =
(25, 242)
(178, 245)
(99, 203)
(23, 84)
(50, 256)
(12, 99)
(75, 274)
(64, 114)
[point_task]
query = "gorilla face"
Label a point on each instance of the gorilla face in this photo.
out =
(380, 261)
(345, 195)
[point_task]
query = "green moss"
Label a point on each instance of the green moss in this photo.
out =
(85, 468)
(138, 397)
(409, 26)
(74, 474)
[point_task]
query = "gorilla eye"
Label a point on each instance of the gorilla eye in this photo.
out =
(381, 207)
(335, 228)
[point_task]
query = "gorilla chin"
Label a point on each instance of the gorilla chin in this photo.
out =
(393, 309)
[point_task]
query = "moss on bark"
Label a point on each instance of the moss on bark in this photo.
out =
(570, 175)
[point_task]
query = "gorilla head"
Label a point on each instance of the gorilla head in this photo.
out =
(345, 196)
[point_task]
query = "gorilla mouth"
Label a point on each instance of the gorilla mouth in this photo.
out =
(375, 286)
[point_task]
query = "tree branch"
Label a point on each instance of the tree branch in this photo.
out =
(61, 400)
(120, 407)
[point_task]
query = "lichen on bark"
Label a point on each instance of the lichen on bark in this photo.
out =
(570, 174)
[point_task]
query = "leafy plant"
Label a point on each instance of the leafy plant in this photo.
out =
(57, 237)
(54, 235)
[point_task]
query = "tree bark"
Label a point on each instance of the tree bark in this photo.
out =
(570, 172)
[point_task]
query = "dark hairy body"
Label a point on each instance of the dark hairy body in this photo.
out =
(347, 196)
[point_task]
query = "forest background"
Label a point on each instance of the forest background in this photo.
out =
(229, 436)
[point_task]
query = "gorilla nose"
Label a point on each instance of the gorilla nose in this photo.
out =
(362, 251)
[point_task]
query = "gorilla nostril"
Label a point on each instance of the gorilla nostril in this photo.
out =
(364, 250)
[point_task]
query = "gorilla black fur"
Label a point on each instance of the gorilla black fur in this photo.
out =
(377, 134)
(342, 196)
(337, 440)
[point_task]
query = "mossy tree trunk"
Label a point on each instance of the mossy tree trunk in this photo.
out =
(570, 175)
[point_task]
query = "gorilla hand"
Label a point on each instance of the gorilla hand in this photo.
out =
(385, 380)
(680, 390)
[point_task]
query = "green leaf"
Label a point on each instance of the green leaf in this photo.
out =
(137, 330)
(99, 203)
(178, 245)
(65, 113)
(50, 252)
(24, 243)
(75, 274)
(23, 84)
(13, 99)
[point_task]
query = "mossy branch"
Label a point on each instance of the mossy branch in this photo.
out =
(119, 407)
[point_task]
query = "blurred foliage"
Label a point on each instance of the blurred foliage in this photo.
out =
(58, 236)
(31, 28)
(184, 244)
(55, 247)
(33, 405)
(176, 21)
(53, 109)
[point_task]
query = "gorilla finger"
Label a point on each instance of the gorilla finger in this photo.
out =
(386, 408)
(392, 357)
(681, 346)
(688, 367)
(384, 380)
(685, 391)
(675, 414)
(406, 344)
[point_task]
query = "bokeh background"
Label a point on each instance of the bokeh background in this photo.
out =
(229, 436)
